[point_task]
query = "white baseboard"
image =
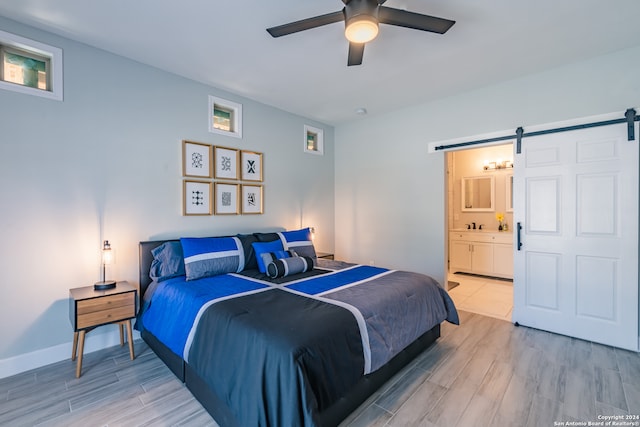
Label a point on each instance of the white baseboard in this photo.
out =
(36, 359)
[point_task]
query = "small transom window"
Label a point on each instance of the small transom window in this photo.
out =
(24, 68)
(222, 118)
(225, 117)
(30, 67)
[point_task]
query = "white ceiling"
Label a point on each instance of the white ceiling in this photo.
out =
(223, 43)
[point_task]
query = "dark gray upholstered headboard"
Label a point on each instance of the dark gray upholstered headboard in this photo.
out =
(146, 258)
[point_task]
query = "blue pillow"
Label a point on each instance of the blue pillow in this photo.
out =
(211, 256)
(168, 261)
(288, 266)
(298, 241)
(266, 248)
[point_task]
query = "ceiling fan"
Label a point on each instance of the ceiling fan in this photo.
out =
(361, 18)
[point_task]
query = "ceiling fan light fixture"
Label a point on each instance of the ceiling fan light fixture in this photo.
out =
(361, 29)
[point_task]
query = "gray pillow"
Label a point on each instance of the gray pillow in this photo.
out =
(168, 261)
(287, 266)
(211, 256)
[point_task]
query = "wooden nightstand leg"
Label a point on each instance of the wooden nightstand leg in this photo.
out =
(130, 338)
(75, 346)
(121, 329)
(80, 353)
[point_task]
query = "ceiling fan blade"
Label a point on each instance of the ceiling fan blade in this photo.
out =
(417, 21)
(356, 51)
(306, 24)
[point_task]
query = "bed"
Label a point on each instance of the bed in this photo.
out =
(263, 333)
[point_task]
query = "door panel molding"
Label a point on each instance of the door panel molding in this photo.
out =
(543, 269)
(598, 207)
(544, 191)
(597, 290)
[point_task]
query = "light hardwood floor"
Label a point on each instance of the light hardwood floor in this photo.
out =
(484, 372)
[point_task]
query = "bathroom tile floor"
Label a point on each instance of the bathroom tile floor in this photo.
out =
(483, 295)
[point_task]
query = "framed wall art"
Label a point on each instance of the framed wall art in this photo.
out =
(226, 198)
(196, 198)
(313, 140)
(225, 117)
(251, 165)
(226, 162)
(196, 159)
(252, 201)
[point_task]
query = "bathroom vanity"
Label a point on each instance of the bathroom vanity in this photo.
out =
(488, 253)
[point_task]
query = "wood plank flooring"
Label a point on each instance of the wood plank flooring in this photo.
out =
(485, 372)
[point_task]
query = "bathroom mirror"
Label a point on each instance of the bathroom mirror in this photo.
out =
(509, 194)
(478, 194)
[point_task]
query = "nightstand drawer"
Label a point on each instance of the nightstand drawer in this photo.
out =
(105, 316)
(89, 308)
(105, 303)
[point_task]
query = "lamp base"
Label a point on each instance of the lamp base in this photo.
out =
(101, 286)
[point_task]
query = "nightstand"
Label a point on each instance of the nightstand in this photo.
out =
(324, 255)
(89, 309)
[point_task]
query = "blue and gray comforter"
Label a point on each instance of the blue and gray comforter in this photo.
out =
(262, 346)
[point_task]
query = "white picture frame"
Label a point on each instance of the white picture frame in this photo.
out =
(229, 126)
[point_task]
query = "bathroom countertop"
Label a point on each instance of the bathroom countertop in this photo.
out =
(484, 230)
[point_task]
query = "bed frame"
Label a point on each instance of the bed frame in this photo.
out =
(221, 413)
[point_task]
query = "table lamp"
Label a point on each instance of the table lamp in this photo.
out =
(107, 258)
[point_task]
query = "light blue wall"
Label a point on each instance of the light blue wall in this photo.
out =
(390, 193)
(106, 164)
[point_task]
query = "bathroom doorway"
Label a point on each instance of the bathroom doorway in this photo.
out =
(479, 235)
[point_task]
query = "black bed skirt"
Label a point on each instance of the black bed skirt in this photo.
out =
(331, 417)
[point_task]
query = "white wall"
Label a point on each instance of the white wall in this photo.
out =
(390, 193)
(106, 164)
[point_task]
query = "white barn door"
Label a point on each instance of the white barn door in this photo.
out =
(576, 200)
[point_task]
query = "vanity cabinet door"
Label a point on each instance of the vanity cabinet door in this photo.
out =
(460, 256)
(503, 259)
(482, 258)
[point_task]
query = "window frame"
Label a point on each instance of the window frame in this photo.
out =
(12, 43)
(233, 108)
(318, 137)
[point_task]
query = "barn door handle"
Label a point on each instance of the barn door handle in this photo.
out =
(518, 240)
